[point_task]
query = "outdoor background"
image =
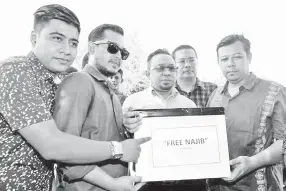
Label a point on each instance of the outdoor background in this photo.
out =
(156, 24)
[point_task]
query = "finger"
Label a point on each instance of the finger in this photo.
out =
(235, 161)
(234, 174)
(143, 140)
(130, 114)
(132, 120)
(136, 178)
(139, 185)
(132, 127)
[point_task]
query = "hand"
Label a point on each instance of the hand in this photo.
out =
(131, 148)
(132, 120)
(242, 165)
(126, 183)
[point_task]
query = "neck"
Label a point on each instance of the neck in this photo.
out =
(237, 84)
(164, 94)
(186, 85)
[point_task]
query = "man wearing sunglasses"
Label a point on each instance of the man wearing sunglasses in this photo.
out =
(94, 112)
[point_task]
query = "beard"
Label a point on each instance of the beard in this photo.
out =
(103, 70)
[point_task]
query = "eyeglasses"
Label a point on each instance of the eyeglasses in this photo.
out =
(162, 69)
(191, 61)
(114, 48)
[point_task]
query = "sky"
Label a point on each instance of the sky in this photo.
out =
(168, 24)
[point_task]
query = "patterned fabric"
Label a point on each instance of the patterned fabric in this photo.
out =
(200, 94)
(267, 109)
(252, 126)
(26, 98)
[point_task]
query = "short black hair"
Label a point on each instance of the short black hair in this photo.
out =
(54, 11)
(98, 32)
(120, 71)
(156, 52)
(181, 47)
(230, 39)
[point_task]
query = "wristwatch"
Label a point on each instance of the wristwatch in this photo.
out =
(116, 150)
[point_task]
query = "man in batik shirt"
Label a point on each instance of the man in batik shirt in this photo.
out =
(255, 116)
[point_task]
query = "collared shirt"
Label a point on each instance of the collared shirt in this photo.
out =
(87, 107)
(26, 96)
(150, 99)
(201, 92)
(254, 119)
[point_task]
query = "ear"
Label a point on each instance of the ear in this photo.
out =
(91, 48)
(33, 38)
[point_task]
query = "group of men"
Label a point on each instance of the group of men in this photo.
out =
(75, 132)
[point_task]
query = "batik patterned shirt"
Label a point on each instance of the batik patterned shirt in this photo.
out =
(27, 92)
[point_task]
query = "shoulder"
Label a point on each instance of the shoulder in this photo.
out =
(209, 85)
(134, 99)
(188, 102)
(17, 65)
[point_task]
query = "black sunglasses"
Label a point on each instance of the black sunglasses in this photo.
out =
(114, 48)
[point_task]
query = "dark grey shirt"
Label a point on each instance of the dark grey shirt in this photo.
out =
(86, 107)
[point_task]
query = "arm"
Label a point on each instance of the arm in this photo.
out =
(26, 113)
(100, 178)
(271, 155)
(53, 144)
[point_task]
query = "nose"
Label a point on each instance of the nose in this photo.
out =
(230, 62)
(66, 48)
(166, 72)
(188, 64)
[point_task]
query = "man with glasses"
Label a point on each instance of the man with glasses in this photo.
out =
(87, 107)
(162, 72)
(188, 84)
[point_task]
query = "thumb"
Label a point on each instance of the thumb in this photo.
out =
(131, 108)
(136, 178)
(143, 140)
(234, 161)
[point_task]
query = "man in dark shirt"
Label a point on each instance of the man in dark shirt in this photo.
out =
(188, 84)
(29, 137)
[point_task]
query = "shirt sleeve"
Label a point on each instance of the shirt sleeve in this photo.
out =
(279, 114)
(71, 106)
(209, 104)
(20, 100)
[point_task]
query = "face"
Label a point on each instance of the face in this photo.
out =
(187, 62)
(116, 80)
(55, 45)
(108, 64)
(161, 77)
(234, 62)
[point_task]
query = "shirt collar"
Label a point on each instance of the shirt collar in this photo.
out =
(248, 84)
(197, 84)
(152, 91)
(95, 73)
